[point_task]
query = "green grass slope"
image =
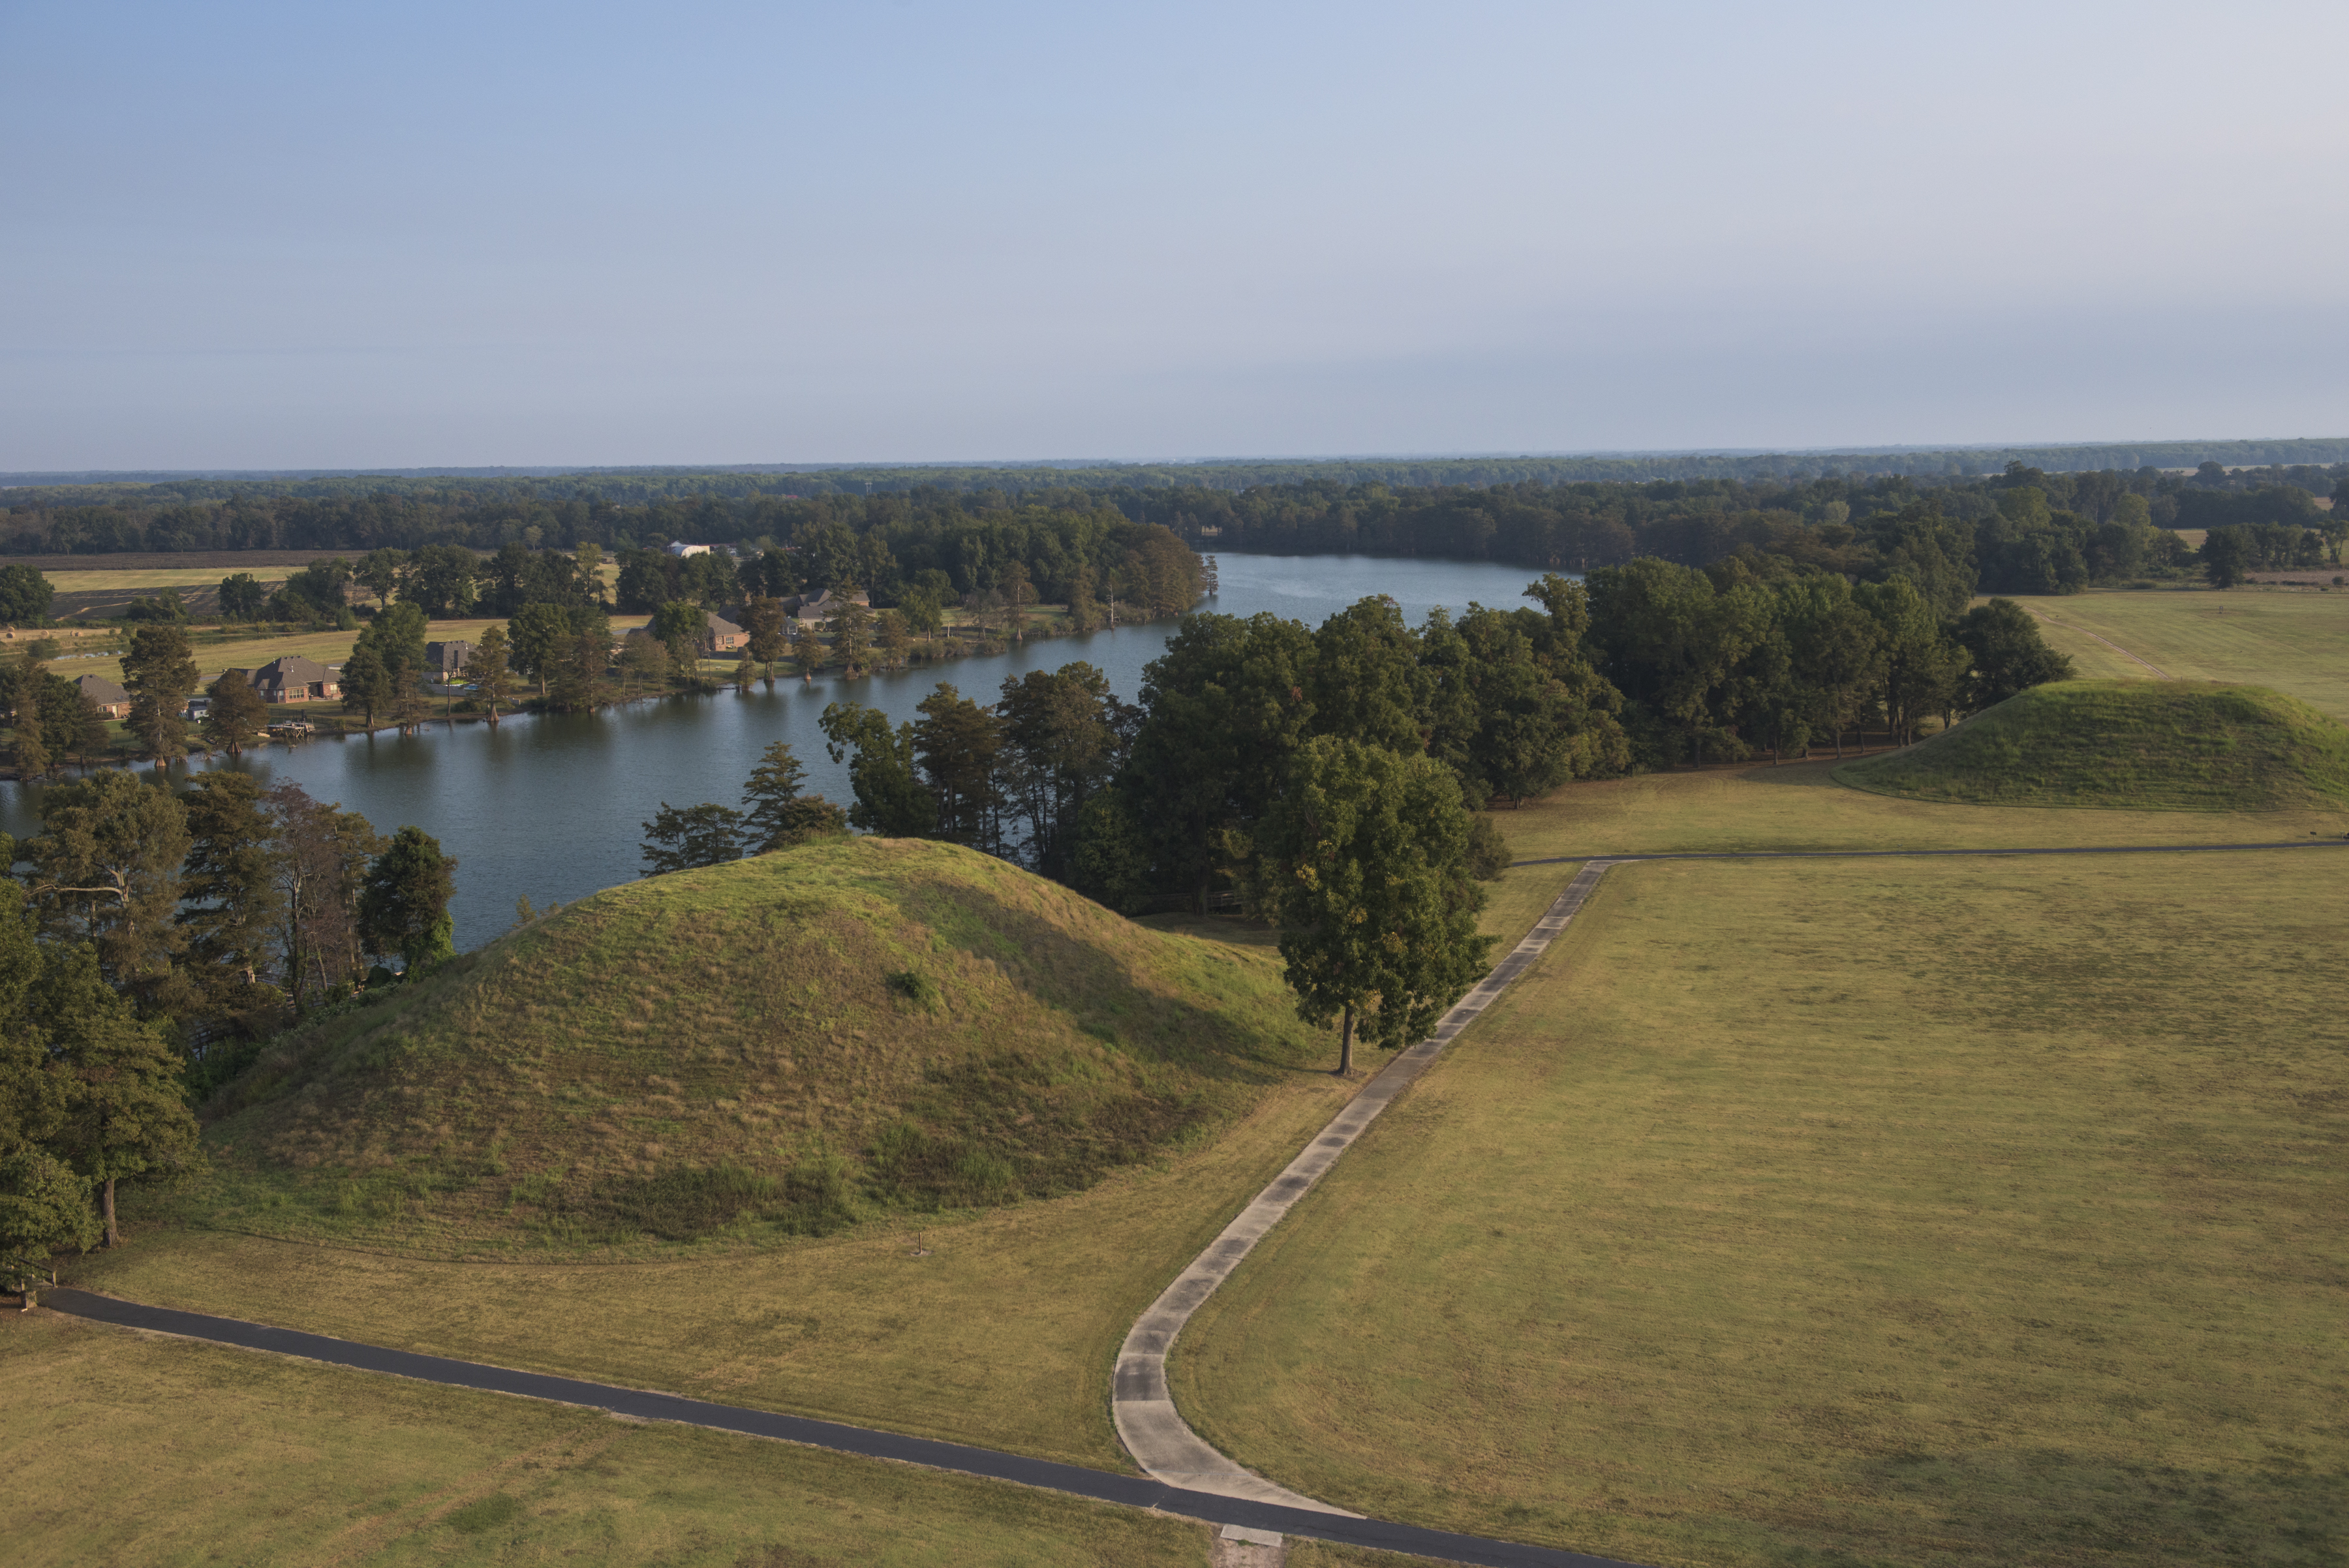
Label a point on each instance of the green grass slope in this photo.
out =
(780, 1046)
(2128, 744)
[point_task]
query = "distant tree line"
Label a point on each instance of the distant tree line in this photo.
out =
(2024, 531)
(147, 938)
(644, 486)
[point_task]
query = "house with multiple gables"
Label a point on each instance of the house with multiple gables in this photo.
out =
(294, 679)
(445, 660)
(110, 699)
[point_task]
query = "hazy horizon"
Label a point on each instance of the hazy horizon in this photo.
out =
(263, 236)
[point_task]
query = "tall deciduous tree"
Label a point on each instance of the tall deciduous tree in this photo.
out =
(321, 856)
(852, 636)
(403, 901)
(1922, 667)
(2005, 654)
(1365, 869)
(237, 717)
(1225, 704)
(368, 684)
(539, 633)
(488, 669)
(763, 620)
(890, 799)
(1066, 735)
(957, 742)
(807, 647)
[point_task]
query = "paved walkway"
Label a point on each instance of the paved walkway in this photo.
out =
(646, 1405)
(1153, 1431)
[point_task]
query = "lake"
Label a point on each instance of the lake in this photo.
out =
(553, 808)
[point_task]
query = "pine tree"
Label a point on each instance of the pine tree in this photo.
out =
(108, 872)
(159, 672)
(230, 903)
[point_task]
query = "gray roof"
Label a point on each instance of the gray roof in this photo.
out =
(101, 691)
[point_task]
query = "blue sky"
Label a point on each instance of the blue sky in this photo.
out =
(257, 235)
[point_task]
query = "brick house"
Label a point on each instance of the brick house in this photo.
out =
(294, 679)
(112, 700)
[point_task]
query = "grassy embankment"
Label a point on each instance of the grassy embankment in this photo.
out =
(746, 1015)
(2161, 744)
(213, 1455)
(1911, 1212)
(2297, 643)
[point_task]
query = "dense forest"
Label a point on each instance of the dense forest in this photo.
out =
(642, 486)
(2024, 530)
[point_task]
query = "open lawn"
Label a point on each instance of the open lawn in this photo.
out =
(1801, 807)
(2297, 642)
(132, 1448)
(1003, 1334)
(1918, 1212)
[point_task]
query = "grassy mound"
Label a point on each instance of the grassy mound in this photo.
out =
(2142, 744)
(783, 1045)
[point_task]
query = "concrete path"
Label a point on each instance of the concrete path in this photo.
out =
(1255, 1518)
(1153, 1431)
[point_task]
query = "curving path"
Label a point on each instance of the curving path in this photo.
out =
(1153, 1431)
(1257, 1518)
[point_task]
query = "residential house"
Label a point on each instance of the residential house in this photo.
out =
(680, 549)
(112, 700)
(818, 607)
(445, 661)
(294, 679)
(719, 635)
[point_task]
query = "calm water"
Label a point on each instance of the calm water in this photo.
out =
(554, 807)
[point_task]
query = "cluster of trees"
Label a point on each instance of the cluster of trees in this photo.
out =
(1652, 664)
(2026, 530)
(147, 936)
(777, 813)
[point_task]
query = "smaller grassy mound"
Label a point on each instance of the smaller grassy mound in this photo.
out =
(2127, 743)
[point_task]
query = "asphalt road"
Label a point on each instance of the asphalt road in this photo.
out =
(644, 1405)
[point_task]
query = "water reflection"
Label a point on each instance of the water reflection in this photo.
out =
(553, 807)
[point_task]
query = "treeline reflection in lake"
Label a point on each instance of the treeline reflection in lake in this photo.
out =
(552, 807)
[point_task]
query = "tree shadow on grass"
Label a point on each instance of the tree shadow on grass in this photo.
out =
(1094, 987)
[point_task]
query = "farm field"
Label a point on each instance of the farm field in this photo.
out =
(218, 1454)
(2296, 642)
(1911, 1212)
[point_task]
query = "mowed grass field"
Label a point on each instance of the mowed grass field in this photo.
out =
(1003, 1334)
(211, 1455)
(1912, 1212)
(2296, 642)
(1800, 807)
